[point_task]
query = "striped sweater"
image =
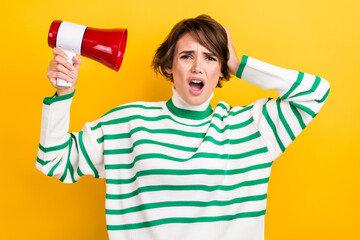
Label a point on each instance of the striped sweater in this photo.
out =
(176, 172)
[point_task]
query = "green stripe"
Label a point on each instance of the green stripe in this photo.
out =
(148, 141)
(143, 207)
(313, 88)
(50, 100)
(179, 147)
(184, 220)
(206, 188)
(51, 172)
(68, 167)
(283, 121)
(79, 172)
(241, 111)
(174, 131)
(132, 106)
(316, 83)
(188, 114)
(324, 97)
(84, 152)
(178, 132)
(223, 106)
(185, 172)
(196, 155)
(294, 86)
(273, 127)
(232, 141)
(68, 164)
(55, 148)
(73, 138)
(298, 116)
(222, 117)
(42, 162)
(140, 117)
(152, 131)
(232, 127)
(162, 117)
(242, 65)
(305, 109)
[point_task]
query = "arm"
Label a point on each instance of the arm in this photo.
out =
(281, 120)
(64, 155)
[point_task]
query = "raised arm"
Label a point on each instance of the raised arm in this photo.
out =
(280, 120)
(61, 154)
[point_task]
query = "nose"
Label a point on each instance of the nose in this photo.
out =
(196, 67)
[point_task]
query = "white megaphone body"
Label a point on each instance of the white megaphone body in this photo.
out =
(106, 46)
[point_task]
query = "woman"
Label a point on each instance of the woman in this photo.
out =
(181, 169)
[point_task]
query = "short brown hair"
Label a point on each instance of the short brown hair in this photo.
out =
(206, 31)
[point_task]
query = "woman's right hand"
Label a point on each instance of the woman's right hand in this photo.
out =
(59, 67)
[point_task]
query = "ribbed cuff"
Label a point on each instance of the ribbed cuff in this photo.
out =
(242, 65)
(52, 99)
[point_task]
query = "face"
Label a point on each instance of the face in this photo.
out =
(196, 70)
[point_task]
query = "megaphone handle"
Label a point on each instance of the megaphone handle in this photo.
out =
(61, 82)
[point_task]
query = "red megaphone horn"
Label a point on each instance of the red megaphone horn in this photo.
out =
(106, 46)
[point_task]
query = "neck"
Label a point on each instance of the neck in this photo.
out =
(177, 106)
(180, 103)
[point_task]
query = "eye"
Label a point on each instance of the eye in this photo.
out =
(185, 56)
(211, 58)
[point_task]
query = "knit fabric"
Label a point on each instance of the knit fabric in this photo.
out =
(175, 171)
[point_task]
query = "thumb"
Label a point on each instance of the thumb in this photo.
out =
(77, 61)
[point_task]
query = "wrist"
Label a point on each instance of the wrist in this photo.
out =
(234, 66)
(65, 91)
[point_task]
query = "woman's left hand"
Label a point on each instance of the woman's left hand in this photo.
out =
(234, 62)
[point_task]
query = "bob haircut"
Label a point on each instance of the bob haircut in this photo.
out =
(207, 32)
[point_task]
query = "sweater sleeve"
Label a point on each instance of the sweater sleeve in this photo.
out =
(281, 120)
(67, 156)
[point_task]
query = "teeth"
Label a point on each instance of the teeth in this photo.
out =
(196, 81)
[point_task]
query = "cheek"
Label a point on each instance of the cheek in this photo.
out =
(179, 73)
(215, 75)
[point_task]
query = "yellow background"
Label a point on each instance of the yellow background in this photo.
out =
(314, 188)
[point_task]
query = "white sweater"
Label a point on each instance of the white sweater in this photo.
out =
(175, 171)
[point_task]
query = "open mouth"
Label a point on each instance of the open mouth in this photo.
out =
(196, 85)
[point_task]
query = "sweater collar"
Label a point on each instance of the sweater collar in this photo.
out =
(180, 108)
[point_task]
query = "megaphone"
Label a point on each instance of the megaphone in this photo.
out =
(106, 46)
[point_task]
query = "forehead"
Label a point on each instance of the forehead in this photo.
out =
(187, 43)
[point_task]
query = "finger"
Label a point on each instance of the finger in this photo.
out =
(52, 65)
(64, 62)
(53, 82)
(61, 75)
(61, 68)
(52, 78)
(230, 42)
(77, 60)
(227, 32)
(64, 77)
(59, 51)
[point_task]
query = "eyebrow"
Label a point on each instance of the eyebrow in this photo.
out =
(192, 51)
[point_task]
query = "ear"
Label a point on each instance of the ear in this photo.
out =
(168, 70)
